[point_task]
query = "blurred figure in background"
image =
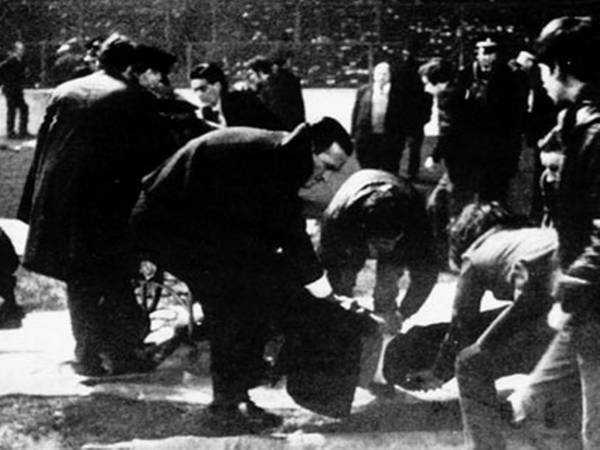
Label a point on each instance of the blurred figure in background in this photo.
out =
(13, 76)
(415, 109)
(279, 90)
(69, 63)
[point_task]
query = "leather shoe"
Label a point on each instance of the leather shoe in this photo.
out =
(245, 414)
(259, 416)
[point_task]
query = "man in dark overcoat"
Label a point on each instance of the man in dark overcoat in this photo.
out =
(100, 135)
(223, 214)
(387, 114)
(496, 101)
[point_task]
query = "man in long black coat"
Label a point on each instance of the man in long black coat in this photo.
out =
(100, 135)
(496, 101)
(223, 214)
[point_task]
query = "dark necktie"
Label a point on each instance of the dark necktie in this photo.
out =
(210, 114)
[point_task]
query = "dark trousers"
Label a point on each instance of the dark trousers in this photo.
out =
(242, 303)
(414, 141)
(16, 102)
(105, 319)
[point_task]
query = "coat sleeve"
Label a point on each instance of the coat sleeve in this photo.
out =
(580, 282)
(355, 112)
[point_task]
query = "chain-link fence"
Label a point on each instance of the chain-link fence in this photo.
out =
(335, 42)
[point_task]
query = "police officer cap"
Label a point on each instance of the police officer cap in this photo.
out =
(487, 45)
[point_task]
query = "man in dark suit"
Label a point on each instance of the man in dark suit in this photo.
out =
(100, 135)
(225, 108)
(385, 117)
(223, 214)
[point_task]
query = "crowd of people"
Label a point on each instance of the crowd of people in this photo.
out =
(126, 171)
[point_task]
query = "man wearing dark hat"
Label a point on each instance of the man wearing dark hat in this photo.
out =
(376, 214)
(151, 68)
(496, 108)
(100, 135)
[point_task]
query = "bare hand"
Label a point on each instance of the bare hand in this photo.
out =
(557, 318)
(429, 163)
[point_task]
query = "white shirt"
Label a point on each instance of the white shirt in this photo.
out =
(379, 105)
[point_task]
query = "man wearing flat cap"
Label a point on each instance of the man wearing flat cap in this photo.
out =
(496, 108)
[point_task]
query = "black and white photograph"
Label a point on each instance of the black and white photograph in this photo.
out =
(299, 224)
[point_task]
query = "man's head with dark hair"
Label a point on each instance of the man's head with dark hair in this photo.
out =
(259, 71)
(260, 65)
(150, 57)
(571, 44)
(436, 71)
(331, 147)
(210, 72)
(116, 53)
(208, 81)
(152, 66)
(475, 220)
(327, 131)
(384, 216)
